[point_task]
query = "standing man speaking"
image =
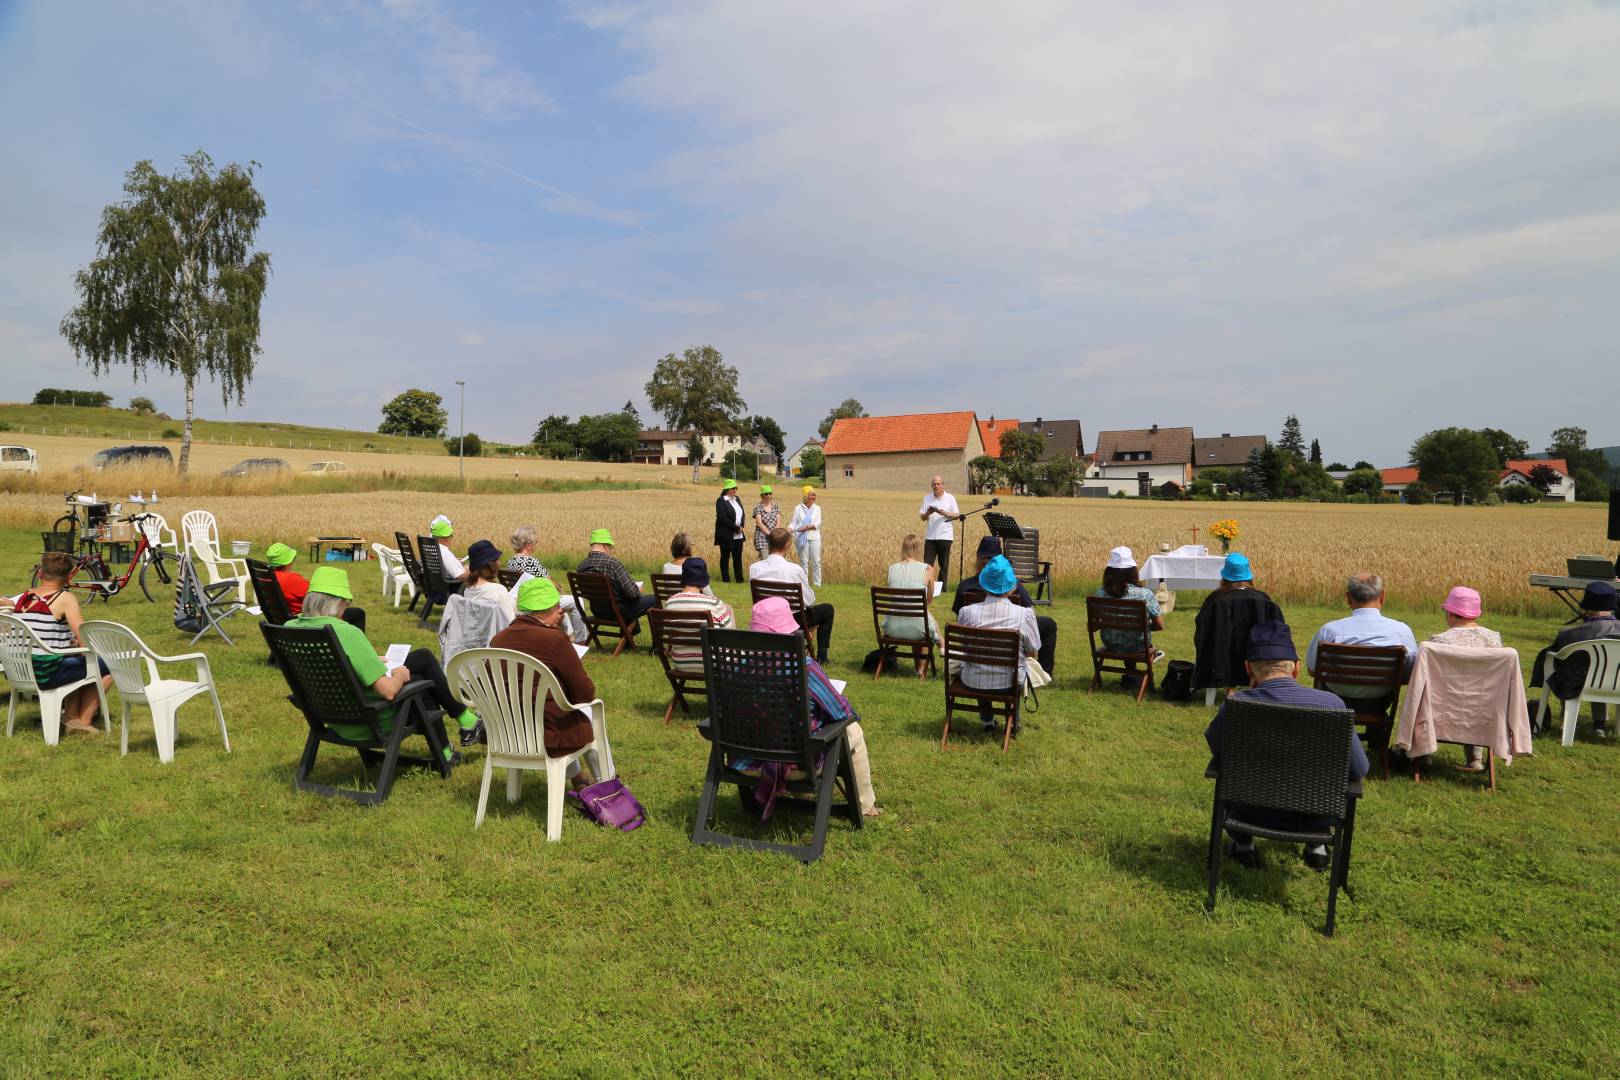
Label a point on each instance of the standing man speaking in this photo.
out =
(939, 510)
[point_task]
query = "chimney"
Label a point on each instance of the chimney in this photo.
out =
(1038, 421)
(1154, 430)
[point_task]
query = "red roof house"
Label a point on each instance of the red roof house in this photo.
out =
(902, 452)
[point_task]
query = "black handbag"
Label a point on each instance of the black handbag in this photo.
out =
(1177, 684)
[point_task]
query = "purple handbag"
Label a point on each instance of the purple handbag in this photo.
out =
(609, 802)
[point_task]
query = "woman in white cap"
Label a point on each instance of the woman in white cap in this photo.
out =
(1121, 582)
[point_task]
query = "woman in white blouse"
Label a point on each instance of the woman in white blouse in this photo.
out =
(806, 530)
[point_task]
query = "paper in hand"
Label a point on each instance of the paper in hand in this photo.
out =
(518, 584)
(395, 657)
(939, 587)
(581, 650)
(839, 684)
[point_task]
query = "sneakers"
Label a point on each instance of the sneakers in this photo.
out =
(1158, 656)
(1316, 857)
(451, 758)
(473, 736)
(1602, 731)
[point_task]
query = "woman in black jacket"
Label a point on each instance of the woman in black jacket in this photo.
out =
(728, 530)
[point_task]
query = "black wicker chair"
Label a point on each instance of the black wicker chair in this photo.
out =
(434, 583)
(1292, 759)
(665, 586)
(901, 604)
(413, 568)
(1368, 678)
(989, 648)
(599, 606)
(328, 692)
(759, 709)
(1025, 555)
(1129, 616)
(681, 629)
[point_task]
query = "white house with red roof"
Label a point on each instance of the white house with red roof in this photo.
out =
(902, 453)
(1518, 472)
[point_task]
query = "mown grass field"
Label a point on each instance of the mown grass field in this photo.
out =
(1033, 913)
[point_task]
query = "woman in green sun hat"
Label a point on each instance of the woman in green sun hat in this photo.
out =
(324, 605)
(728, 530)
(280, 557)
(767, 516)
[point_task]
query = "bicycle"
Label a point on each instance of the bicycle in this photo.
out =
(159, 566)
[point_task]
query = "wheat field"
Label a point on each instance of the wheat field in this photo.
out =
(1301, 552)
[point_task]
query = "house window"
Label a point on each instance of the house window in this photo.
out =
(849, 471)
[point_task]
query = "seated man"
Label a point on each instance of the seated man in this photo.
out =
(279, 557)
(969, 588)
(775, 566)
(538, 632)
(632, 604)
(694, 596)
(1365, 625)
(329, 594)
(1569, 676)
(997, 611)
(1273, 667)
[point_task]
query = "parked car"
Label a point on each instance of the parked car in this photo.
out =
(327, 467)
(134, 455)
(257, 465)
(18, 459)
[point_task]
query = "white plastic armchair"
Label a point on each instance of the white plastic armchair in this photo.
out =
(200, 531)
(508, 690)
(135, 674)
(158, 533)
(394, 574)
(18, 644)
(1602, 682)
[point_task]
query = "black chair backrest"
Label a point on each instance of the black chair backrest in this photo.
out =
(791, 591)
(407, 556)
(1108, 613)
(1024, 554)
(319, 675)
(1364, 671)
(984, 646)
(759, 695)
(433, 579)
(508, 578)
(595, 591)
(665, 586)
(267, 590)
(678, 628)
(1285, 757)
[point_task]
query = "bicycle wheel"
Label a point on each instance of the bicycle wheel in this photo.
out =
(158, 570)
(71, 521)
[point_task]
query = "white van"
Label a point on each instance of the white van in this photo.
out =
(328, 467)
(18, 459)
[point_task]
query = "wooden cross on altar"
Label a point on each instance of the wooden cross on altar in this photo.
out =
(1195, 536)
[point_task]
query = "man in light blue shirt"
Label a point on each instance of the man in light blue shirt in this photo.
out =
(1366, 624)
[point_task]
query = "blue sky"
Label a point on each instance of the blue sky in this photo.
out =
(1173, 213)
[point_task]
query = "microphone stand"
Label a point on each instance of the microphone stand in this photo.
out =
(961, 552)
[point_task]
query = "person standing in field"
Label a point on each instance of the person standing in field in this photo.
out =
(767, 516)
(939, 510)
(806, 530)
(728, 531)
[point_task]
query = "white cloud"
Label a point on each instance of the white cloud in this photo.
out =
(472, 340)
(460, 64)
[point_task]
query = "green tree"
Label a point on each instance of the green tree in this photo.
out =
(82, 399)
(1292, 440)
(1543, 477)
(741, 465)
(1418, 493)
(1368, 482)
(142, 406)
(1587, 467)
(474, 445)
(1263, 475)
(556, 436)
(1316, 452)
(697, 391)
(1506, 446)
(1201, 488)
(812, 462)
(1521, 493)
(608, 437)
(764, 427)
(985, 474)
(1338, 466)
(176, 284)
(1060, 476)
(1021, 457)
(1456, 460)
(1365, 465)
(632, 412)
(850, 409)
(417, 413)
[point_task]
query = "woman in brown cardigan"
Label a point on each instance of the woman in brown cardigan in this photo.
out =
(537, 631)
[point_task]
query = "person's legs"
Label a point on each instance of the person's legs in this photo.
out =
(862, 768)
(422, 664)
(725, 562)
(573, 620)
(737, 560)
(812, 553)
(646, 603)
(940, 551)
(1048, 652)
(820, 618)
(987, 716)
(355, 616)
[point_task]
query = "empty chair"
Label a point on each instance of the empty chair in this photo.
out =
(509, 691)
(135, 674)
(1033, 573)
(1368, 678)
(18, 644)
(395, 577)
(158, 533)
(199, 608)
(201, 533)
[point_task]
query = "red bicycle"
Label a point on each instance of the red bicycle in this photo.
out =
(92, 575)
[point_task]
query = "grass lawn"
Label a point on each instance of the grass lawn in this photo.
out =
(1036, 912)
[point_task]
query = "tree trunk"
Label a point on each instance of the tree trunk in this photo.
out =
(185, 434)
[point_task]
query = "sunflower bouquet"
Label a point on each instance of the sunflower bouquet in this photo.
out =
(1226, 531)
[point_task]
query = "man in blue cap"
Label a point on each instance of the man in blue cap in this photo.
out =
(1569, 676)
(1273, 666)
(969, 586)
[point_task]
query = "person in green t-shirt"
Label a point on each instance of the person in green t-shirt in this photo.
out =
(329, 595)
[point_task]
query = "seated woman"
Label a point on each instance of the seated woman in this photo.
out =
(328, 597)
(1121, 582)
(537, 631)
(773, 616)
(695, 596)
(280, 557)
(912, 573)
(483, 578)
(1221, 630)
(1462, 609)
(680, 549)
(52, 612)
(523, 561)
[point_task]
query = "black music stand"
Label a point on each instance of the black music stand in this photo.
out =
(1002, 526)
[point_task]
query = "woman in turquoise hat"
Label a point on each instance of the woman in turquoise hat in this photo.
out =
(280, 558)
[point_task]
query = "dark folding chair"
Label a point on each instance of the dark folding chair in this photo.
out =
(989, 648)
(1293, 759)
(1368, 678)
(328, 692)
(272, 602)
(1025, 556)
(407, 558)
(593, 595)
(789, 591)
(678, 629)
(759, 710)
(1129, 616)
(200, 607)
(508, 578)
(665, 586)
(901, 604)
(434, 583)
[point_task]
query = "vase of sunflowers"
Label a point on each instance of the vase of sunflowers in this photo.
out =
(1226, 531)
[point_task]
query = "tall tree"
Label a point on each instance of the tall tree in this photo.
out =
(608, 437)
(1456, 460)
(417, 413)
(1263, 474)
(812, 462)
(176, 284)
(764, 427)
(1587, 467)
(1506, 446)
(850, 409)
(1292, 440)
(632, 412)
(1316, 452)
(1021, 457)
(555, 430)
(698, 391)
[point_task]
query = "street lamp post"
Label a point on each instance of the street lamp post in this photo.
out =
(461, 440)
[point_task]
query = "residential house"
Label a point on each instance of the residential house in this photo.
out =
(1060, 438)
(1518, 472)
(795, 460)
(1138, 461)
(902, 453)
(990, 432)
(1227, 452)
(660, 447)
(1396, 481)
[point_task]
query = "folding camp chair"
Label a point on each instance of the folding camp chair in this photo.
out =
(1125, 616)
(983, 647)
(199, 607)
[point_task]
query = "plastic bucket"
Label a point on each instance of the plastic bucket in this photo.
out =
(241, 548)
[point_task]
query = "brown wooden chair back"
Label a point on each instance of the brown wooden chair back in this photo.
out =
(599, 607)
(665, 586)
(680, 629)
(901, 604)
(1362, 673)
(1126, 616)
(988, 648)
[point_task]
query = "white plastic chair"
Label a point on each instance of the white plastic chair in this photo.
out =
(1602, 682)
(508, 690)
(156, 528)
(18, 644)
(220, 569)
(393, 572)
(135, 673)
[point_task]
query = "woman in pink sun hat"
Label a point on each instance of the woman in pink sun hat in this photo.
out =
(1462, 608)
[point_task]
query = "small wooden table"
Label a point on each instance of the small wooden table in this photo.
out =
(355, 544)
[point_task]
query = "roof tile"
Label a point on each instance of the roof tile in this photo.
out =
(894, 434)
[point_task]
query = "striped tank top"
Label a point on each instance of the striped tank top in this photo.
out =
(54, 634)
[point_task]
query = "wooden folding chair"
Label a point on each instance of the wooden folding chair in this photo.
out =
(1366, 673)
(665, 586)
(998, 649)
(594, 596)
(682, 630)
(1126, 616)
(901, 604)
(790, 591)
(1025, 555)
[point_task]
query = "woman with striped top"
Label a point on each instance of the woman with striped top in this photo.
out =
(52, 612)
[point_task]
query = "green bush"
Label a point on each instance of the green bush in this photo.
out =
(1520, 493)
(172, 433)
(474, 445)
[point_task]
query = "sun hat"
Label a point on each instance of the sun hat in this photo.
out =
(537, 594)
(997, 577)
(331, 580)
(440, 526)
(773, 615)
(601, 536)
(1271, 641)
(809, 489)
(694, 571)
(988, 546)
(1462, 602)
(279, 554)
(482, 553)
(1237, 568)
(729, 485)
(1121, 559)
(764, 489)
(1599, 596)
